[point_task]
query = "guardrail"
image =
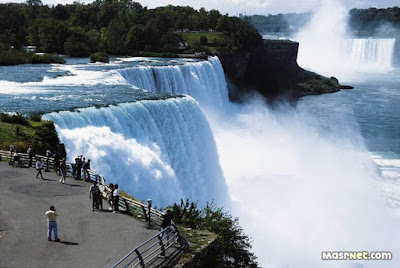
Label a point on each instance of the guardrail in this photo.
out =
(130, 206)
(6, 156)
(147, 252)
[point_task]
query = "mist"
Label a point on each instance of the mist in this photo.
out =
(298, 189)
(326, 47)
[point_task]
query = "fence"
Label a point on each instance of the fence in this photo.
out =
(147, 252)
(130, 206)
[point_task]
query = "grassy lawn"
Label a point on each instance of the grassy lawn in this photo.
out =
(193, 38)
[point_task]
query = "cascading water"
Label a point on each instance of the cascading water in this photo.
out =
(326, 49)
(161, 149)
(202, 80)
(370, 51)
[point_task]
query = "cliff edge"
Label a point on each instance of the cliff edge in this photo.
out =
(272, 70)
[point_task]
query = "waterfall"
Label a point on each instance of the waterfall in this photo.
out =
(378, 52)
(203, 80)
(158, 149)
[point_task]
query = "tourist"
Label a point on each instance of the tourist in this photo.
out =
(165, 224)
(31, 154)
(52, 215)
(116, 198)
(17, 162)
(86, 167)
(57, 158)
(78, 167)
(94, 194)
(39, 166)
(63, 168)
(110, 195)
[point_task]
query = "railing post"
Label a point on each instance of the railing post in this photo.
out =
(140, 258)
(144, 213)
(128, 211)
(162, 245)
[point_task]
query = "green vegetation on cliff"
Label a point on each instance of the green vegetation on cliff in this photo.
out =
(118, 27)
(22, 131)
(235, 243)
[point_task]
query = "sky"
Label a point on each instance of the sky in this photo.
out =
(249, 7)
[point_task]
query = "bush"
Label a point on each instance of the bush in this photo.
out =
(203, 40)
(235, 244)
(12, 57)
(14, 119)
(37, 117)
(99, 57)
(46, 58)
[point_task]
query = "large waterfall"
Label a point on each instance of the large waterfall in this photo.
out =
(161, 149)
(203, 80)
(371, 51)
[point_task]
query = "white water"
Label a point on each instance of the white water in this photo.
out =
(201, 80)
(297, 188)
(326, 49)
(163, 150)
(371, 51)
(298, 192)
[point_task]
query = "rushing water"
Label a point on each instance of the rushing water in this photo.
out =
(324, 175)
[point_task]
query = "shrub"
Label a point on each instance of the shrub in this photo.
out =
(14, 119)
(235, 244)
(45, 58)
(99, 57)
(12, 57)
(203, 40)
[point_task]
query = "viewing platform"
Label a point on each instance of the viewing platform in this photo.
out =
(89, 238)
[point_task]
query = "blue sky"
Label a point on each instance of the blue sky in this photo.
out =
(264, 7)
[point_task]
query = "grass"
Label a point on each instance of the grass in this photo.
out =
(21, 132)
(193, 39)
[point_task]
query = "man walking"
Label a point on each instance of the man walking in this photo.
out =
(52, 215)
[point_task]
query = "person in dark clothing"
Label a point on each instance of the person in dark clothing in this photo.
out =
(57, 159)
(94, 194)
(79, 167)
(63, 167)
(167, 221)
(116, 198)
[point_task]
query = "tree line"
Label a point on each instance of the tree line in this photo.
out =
(375, 22)
(117, 27)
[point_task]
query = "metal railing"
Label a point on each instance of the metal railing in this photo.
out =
(147, 252)
(130, 206)
(6, 156)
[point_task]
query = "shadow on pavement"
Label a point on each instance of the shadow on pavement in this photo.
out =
(69, 243)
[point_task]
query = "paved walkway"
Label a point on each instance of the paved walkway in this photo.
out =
(88, 239)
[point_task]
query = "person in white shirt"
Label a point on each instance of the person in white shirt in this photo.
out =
(52, 215)
(39, 166)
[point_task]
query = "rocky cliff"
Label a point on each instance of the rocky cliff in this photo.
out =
(272, 70)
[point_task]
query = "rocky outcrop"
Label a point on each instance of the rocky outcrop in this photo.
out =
(273, 71)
